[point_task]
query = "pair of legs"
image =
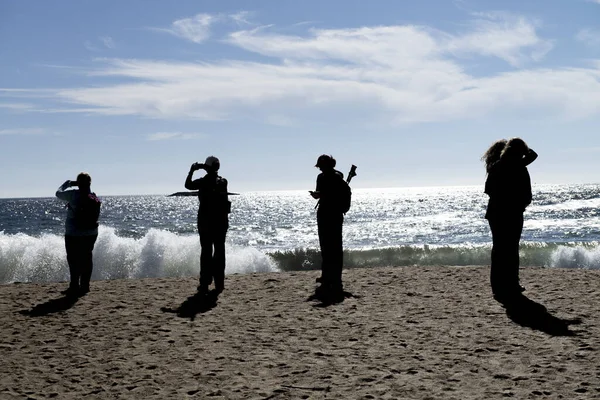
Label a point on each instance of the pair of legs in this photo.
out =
(332, 253)
(506, 234)
(212, 254)
(79, 256)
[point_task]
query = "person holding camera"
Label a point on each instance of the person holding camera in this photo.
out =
(81, 231)
(213, 222)
(508, 186)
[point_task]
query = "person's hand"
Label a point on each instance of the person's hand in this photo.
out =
(315, 195)
(196, 166)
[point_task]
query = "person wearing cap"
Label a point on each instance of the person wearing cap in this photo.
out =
(329, 222)
(213, 222)
(81, 231)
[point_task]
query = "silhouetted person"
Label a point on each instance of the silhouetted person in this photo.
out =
(81, 231)
(213, 222)
(330, 218)
(509, 186)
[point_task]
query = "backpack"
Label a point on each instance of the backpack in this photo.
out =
(216, 198)
(224, 205)
(344, 195)
(87, 211)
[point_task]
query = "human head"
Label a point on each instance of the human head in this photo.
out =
(492, 155)
(213, 163)
(84, 180)
(516, 148)
(325, 162)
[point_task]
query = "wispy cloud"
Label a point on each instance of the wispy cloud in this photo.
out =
(22, 131)
(195, 29)
(242, 18)
(90, 46)
(173, 136)
(17, 106)
(509, 37)
(108, 42)
(589, 37)
(401, 73)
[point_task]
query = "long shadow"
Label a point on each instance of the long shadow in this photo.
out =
(327, 299)
(51, 306)
(194, 305)
(528, 313)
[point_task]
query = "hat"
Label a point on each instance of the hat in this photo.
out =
(213, 162)
(325, 161)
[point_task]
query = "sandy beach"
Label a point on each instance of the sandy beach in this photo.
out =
(405, 333)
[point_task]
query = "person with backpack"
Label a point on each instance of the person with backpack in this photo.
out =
(333, 194)
(81, 231)
(213, 222)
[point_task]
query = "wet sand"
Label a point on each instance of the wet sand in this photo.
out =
(406, 333)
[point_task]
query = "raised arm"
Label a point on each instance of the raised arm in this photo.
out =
(189, 183)
(530, 157)
(64, 194)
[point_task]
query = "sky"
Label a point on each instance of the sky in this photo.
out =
(412, 92)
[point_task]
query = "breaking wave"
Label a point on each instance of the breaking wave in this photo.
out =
(160, 253)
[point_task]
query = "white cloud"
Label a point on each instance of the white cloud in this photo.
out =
(195, 29)
(241, 18)
(589, 37)
(173, 136)
(396, 73)
(511, 38)
(21, 131)
(108, 42)
(17, 106)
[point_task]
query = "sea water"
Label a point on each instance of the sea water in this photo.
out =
(156, 236)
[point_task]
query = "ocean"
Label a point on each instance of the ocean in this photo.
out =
(155, 236)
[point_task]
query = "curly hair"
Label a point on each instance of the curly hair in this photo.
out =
(515, 147)
(493, 154)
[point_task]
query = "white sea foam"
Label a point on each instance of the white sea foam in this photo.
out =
(159, 253)
(576, 257)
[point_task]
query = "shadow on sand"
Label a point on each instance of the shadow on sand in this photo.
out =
(51, 306)
(194, 305)
(528, 313)
(328, 299)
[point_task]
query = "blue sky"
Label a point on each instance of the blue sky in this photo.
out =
(412, 92)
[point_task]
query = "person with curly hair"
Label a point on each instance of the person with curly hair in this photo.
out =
(508, 186)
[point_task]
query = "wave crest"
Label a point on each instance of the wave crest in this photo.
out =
(159, 253)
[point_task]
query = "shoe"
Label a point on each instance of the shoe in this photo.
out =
(72, 291)
(203, 289)
(508, 297)
(84, 290)
(219, 284)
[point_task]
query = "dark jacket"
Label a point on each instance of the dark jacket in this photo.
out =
(328, 185)
(212, 193)
(509, 188)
